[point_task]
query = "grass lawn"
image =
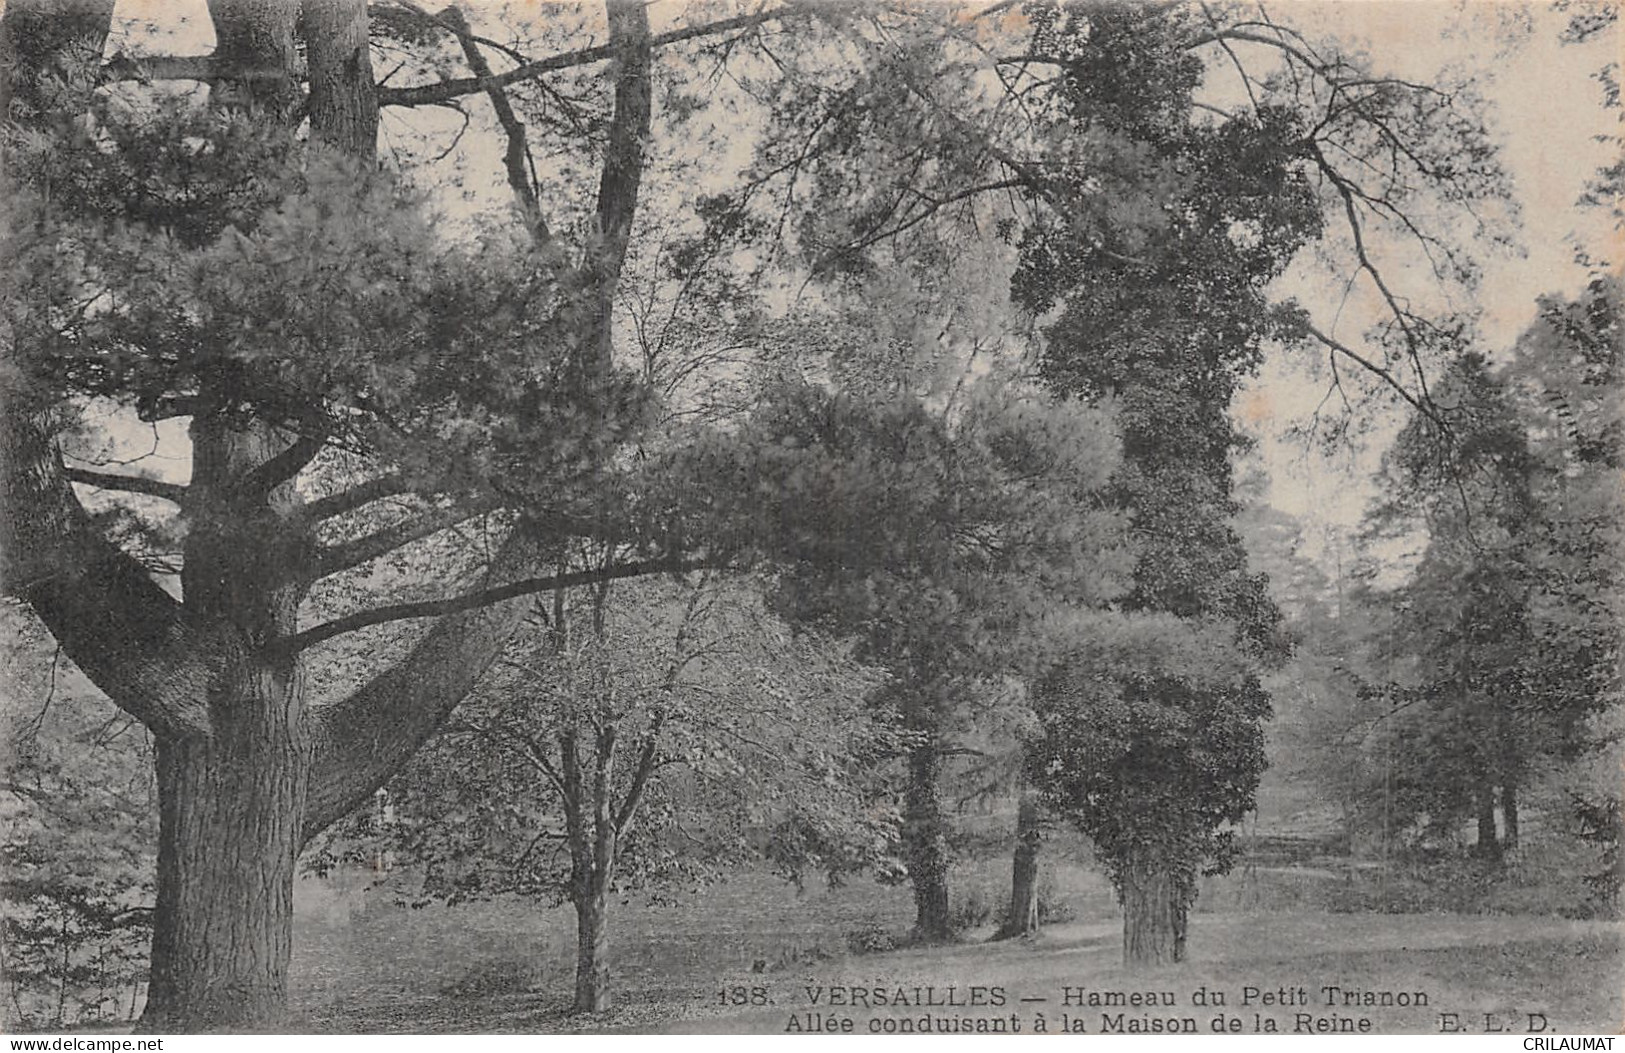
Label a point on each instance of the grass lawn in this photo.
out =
(362, 963)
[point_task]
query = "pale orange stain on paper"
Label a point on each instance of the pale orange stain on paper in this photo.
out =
(1257, 407)
(1003, 25)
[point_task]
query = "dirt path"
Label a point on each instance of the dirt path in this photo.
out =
(1433, 971)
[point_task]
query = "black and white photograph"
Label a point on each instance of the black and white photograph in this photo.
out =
(838, 517)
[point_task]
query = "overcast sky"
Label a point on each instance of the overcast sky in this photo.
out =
(1547, 113)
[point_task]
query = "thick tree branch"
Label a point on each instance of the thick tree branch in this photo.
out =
(134, 484)
(282, 467)
(368, 547)
(483, 598)
(134, 640)
(621, 175)
(446, 90)
(357, 496)
(130, 637)
(205, 68)
(364, 739)
(642, 769)
(446, 21)
(629, 126)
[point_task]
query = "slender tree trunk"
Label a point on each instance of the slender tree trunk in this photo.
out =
(1488, 845)
(1154, 916)
(592, 951)
(925, 834)
(594, 843)
(1509, 816)
(592, 867)
(592, 937)
(1022, 916)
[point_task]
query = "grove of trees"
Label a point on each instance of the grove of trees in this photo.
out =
(829, 371)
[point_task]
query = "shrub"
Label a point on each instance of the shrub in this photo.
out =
(871, 939)
(974, 909)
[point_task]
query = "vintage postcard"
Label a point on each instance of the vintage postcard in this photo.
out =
(841, 517)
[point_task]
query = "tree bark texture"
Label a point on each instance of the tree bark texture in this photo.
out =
(1154, 915)
(228, 843)
(127, 634)
(925, 835)
(343, 104)
(592, 953)
(255, 49)
(589, 818)
(231, 805)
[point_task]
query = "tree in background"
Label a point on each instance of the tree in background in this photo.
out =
(644, 738)
(1469, 733)
(978, 526)
(1568, 368)
(223, 277)
(1507, 634)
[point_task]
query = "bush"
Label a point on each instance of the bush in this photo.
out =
(1052, 909)
(871, 939)
(974, 910)
(77, 843)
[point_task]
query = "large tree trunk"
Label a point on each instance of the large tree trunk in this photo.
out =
(1154, 915)
(925, 833)
(1021, 917)
(228, 841)
(231, 805)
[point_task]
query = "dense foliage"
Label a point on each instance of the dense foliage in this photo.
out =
(921, 393)
(76, 854)
(1506, 638)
